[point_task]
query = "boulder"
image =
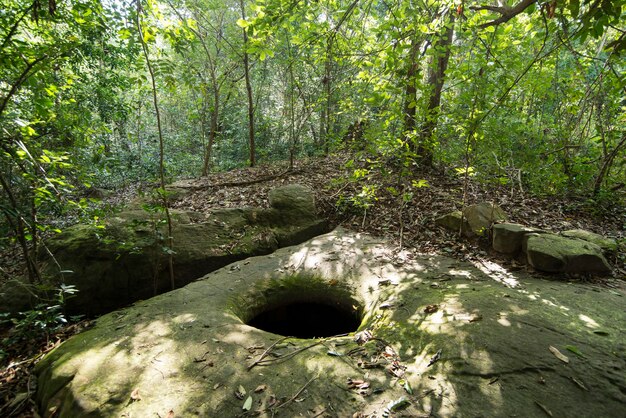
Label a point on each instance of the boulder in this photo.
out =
(294, 201)
(508, 237)
(555, 254)
(481, 216)
(126, 259)
(608, 245)
(451, 221)
(476, 219)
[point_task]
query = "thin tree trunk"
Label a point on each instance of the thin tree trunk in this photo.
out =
(606, 165)
(213, 131)
(165, 201)
(19, 226)
(326, 111)
(410, 93)
(436, 78)
(246, 69)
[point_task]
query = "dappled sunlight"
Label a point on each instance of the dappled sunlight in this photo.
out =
(503, 319)
(150, 332)
(496, 272)
(91, 361)
(184, 319)
(460, 273)
(590, 323)
(554, 305)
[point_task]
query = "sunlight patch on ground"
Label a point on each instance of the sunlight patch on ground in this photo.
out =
(588, 321)
(92, 361)
(184, 319)
(554, 305)
(503, 319)
(462, 273)
(241, 338)
(497, 273)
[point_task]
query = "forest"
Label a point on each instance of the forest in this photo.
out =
(393, 112)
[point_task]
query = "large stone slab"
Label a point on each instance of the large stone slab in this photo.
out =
(555, 254)
(508, 238)
(449, 338)
(127, 259)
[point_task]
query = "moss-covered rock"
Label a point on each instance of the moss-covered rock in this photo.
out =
(451, 221)
(508, 238)
(294, 201)
(481, 216)
(474, 220)
(126, 259)
(608, 245)
(554, 254)
(447, 337)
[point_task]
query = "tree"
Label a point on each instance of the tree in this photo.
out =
(246, 69)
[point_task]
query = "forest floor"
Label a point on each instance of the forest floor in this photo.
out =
(409, 225)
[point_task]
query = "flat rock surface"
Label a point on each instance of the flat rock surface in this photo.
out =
(451, 338)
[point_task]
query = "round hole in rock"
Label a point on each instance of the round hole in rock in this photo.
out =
(301, 306)
(303, 319)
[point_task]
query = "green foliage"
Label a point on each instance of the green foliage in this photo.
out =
(536, 99)
(42, 321)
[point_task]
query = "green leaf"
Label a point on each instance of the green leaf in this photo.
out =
(407, 387)
(575, 350)
(574, 7)
(247, 405)
(421, 183)
(243, 23)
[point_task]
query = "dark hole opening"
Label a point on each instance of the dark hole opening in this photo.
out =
(307, 320)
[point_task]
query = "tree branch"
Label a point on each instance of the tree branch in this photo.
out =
(506, 12)
(21, 79)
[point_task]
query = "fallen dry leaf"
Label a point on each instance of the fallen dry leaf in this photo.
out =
(544, 409)
(558, 355)
(135, 396)
(579, 384)
(260, 388)
(362, 337)
(434, 358)
(240, 393)
(431, 308)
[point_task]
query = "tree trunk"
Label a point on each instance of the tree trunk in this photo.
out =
(436, 78)
(326, 109)
(410, 93)
(164, 199)
(213, 131)
(606, 165)
(246, 69)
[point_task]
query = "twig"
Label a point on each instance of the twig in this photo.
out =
(341, 189)
(266, 352)
(287, 356)
(319, 414)
(294, 397)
